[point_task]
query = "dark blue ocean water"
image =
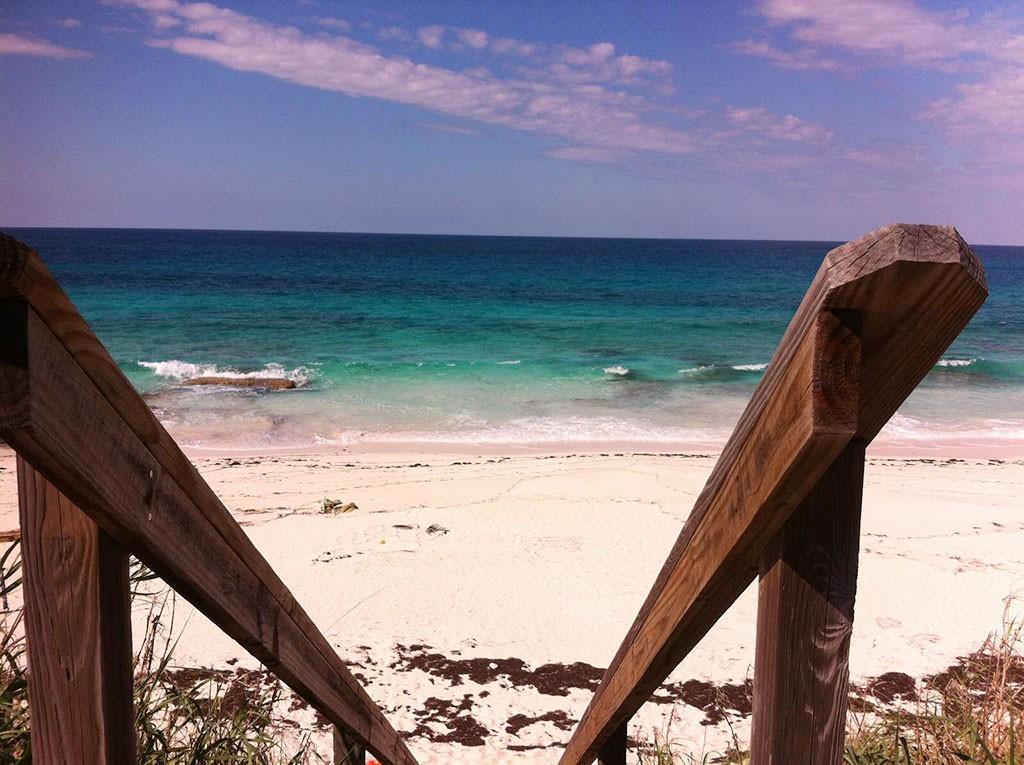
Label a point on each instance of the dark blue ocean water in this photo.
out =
(486, 339)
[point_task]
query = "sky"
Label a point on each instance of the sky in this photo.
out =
(770, 119)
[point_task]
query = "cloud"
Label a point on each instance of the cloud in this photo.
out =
(164, 21)
(801, 58)
(17, 45)
(332, 22)
(586, 114)
(474, 38)
(431, 36)
(981, 116)
(896, 28)
(588, 155)
(68, 23)
(599, 63)
(444, 127)
(760, 121)
(510, 46)
(393, 33)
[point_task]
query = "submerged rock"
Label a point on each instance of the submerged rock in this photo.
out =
(276, 383)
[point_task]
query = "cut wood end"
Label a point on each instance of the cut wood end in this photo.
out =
(902, 242)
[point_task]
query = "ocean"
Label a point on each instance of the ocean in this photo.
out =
(488, 341)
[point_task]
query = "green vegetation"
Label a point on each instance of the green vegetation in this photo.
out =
(183, 715)
(971, 714)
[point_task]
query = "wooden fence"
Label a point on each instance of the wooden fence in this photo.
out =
(100, 478)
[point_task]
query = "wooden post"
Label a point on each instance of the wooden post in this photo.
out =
(78, 630)
(804, 621)
(613, 751)
(347, 751)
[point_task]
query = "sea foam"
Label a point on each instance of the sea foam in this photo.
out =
(617, 370)
(184, 370)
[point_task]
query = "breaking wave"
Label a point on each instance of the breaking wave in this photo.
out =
(183, 370)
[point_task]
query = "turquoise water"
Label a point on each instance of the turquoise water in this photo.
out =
(486, 339)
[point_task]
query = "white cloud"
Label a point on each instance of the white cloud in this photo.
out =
(588, 155)
(760, 121)
(393, 33)
(431, 36)
(445, 127)
(599, 64)
(597, 53)
(981, 116)
(474, 38)
(165, 21)
(332, 22)
(512, 47)
(17, 45)
(589, 115)
(68, 23)
(895, 27)
(800, 58)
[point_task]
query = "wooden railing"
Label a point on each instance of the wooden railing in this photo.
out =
(100, 478)
(783, 501)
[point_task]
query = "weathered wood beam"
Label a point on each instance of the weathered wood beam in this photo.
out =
(908, 291)
(805, 620)
(78, 629)
(73, 415)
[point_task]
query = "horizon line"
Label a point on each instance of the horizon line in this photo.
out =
(463, 235)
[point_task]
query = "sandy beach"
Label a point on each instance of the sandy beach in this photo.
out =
(479, 597)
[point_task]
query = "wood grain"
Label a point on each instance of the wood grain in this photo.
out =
(804, 623)
(907, 291)
(137, 461)
(78, 631)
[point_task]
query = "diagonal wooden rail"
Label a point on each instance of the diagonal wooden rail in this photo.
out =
(877, 317)
(87, 440)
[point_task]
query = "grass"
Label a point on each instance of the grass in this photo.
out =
(972, 714)
(184, 715)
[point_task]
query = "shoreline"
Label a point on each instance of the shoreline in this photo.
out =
(1004, 450)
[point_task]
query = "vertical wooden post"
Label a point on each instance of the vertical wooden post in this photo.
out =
(78, 631)
(804, 621)
(347, 751)
(613, 751)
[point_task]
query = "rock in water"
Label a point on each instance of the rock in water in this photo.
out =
(276, 383)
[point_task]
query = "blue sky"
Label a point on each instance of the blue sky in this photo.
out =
(802, 119)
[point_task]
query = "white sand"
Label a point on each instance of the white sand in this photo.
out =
(547, 560)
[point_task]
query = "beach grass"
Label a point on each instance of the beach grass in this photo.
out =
(183, 714)
(969, 714)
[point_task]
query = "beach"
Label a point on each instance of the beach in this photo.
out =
(479, 596)
(468, 458)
